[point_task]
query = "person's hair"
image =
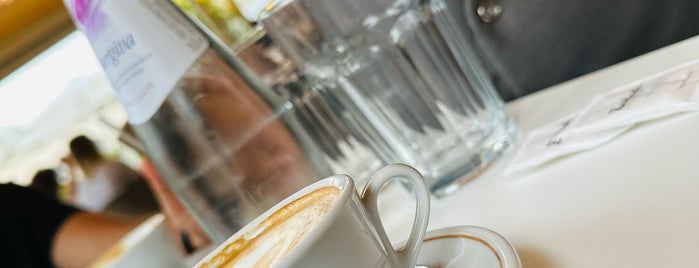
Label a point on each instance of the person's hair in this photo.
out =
(85, 150)
(45, 181)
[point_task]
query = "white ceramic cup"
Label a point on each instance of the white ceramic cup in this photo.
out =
(351, 233)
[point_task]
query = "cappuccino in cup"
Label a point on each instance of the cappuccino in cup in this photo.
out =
(278, 234)
(326, 224)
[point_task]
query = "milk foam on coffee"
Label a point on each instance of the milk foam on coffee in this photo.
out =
(269, 242)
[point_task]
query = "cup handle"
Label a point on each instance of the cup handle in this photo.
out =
(408, 256)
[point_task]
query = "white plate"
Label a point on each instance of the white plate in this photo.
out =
(148, 245)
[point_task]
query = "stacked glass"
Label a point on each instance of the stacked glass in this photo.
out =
(406, 77)
(342, 148)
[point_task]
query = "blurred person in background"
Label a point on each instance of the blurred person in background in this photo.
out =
(108, 185)
(46, 182)
(37, 230)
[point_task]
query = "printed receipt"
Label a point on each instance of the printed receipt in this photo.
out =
(611, 114)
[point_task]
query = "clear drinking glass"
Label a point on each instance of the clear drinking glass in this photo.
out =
(410, 77)
(317, 111)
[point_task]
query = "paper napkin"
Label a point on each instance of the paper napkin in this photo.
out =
(609, 115)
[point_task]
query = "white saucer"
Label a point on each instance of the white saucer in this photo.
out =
(467, 247)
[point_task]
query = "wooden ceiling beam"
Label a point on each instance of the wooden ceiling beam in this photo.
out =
(27, 28)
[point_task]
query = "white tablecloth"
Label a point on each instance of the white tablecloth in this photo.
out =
(633, 202)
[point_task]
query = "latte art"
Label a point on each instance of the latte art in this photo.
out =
(269, 242)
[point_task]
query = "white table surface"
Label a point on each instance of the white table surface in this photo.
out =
(633, 202)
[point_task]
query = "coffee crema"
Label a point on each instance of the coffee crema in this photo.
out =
(268, 243)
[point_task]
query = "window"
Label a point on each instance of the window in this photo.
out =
(57, 95)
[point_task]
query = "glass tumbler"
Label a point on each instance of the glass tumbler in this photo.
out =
(410, 74)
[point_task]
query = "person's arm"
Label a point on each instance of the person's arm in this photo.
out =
(180, 222)
(85, 236)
